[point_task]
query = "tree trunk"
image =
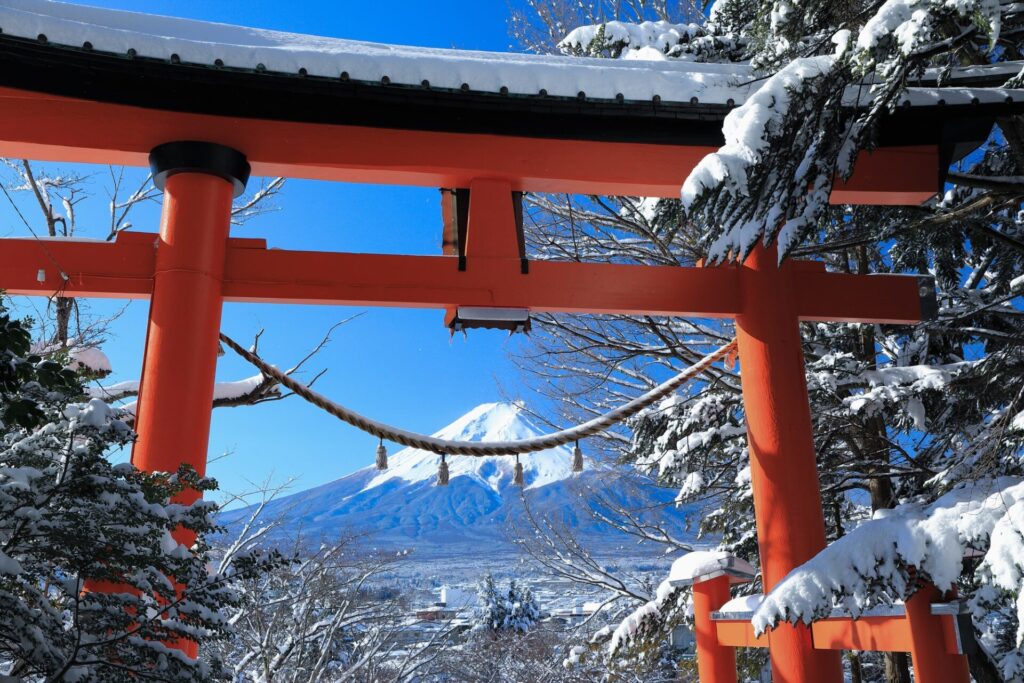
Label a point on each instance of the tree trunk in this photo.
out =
(982, 668)
(62, 320)
(897, 668)
(876, 452)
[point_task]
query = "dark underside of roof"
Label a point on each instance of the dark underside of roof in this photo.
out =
(38, 66)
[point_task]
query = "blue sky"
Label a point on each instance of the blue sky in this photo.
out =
(394, 365)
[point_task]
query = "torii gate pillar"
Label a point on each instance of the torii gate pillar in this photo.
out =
(783, 469)
(199, 181)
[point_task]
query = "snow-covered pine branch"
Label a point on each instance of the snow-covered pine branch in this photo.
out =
(885, 558)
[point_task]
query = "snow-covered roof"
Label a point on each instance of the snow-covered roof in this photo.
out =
(227, 47)
(236, 47)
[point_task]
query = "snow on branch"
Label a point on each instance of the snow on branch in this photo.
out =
(1004, 562)
(875, 559)
(786, 144)
(752, 191)
(649, 622)
(622, 38)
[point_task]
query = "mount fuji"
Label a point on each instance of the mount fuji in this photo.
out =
(404, 506)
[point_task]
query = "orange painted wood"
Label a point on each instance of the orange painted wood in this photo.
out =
(784, 475)
(873, 180)
(839, 297)
(173, 415)
(867, 634)
(94, 269)
(740, 633)
(878, 634)
(951, 635)
(491, 232)
(52, 128)
(929, 651)
(716, 661)
(255, 274)
(436, 282)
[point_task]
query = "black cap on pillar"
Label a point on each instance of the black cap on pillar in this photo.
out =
(191, 156)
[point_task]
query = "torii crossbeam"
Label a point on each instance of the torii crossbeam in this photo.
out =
(110, 94)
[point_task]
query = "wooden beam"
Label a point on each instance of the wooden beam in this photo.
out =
(838, 297)
(253, 273)
(52, 128)
(889, 633)
(120, 270)
(740, 633)
(869, 633)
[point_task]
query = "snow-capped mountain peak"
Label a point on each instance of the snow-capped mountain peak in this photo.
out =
(489, 422)
(481, 504)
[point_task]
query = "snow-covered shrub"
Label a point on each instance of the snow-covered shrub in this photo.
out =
(93, 586)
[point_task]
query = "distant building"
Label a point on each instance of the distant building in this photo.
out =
(458, 598)
(578, 613)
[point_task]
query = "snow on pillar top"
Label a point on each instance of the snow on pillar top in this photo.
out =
(704, 565)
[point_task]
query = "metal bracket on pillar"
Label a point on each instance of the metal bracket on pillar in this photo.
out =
(191, 156)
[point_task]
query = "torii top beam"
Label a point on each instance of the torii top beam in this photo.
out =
(103, 86)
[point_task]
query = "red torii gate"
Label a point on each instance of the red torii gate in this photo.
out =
(201, 155)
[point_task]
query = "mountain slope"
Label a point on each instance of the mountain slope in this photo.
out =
(403, 505)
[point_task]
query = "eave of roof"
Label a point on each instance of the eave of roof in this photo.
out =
(250, 50)
(199, 67)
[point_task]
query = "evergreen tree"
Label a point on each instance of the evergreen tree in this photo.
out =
(513, 610)
(68, 517)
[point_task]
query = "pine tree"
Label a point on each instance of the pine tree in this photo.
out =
(68, 516)
(513, 610)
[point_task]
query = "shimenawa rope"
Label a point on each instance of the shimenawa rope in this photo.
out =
(473, 448)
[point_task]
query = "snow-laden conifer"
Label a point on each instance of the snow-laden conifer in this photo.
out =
(93, 586)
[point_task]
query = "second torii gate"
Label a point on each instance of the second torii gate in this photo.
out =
(200, 126)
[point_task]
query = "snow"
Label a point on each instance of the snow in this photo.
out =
(80, 357)
(893, 384)
(645, 74)
(107, 391)
(244, 48)
(1004, 561)
(899, 385)
(457, 598)
(748, 130)
(744, 604)
(96, 414)
(648, 612)
(908, 21)
(9, 566)
(221, 390)
(237, 389)
(705, 564)
(658, 36)
(490, 422)
(933, 538)
(692, 485)
(89, 358)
